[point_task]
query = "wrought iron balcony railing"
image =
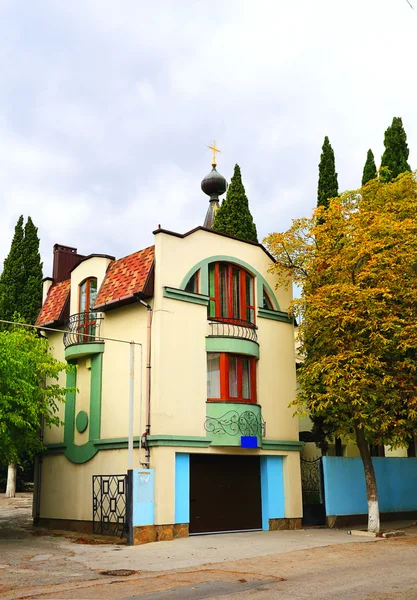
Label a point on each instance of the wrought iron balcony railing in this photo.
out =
(237, 328)
(83, 328)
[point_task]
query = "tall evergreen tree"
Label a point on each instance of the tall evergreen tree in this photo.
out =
(234, 217)
(369, 170)
(396, 151)
(328, 186)
(12, 279)
(32, 264)
(21, 279)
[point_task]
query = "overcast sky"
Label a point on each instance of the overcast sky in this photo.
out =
(107, 108)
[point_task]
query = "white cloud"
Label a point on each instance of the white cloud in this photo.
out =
(107, 108)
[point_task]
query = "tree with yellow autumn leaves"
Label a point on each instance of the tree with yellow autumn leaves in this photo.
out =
(356, 264)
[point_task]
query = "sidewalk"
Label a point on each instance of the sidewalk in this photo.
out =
(29, 561)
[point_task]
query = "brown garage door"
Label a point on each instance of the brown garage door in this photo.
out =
(225, 493)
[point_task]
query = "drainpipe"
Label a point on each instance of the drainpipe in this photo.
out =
(139, 297)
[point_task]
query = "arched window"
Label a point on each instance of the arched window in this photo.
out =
(87, 319)
(232, 295)
(193, 283)
(266, 300)
(88, 294)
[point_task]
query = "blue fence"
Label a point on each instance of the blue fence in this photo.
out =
(345, 491)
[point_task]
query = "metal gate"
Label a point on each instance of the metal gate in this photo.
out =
(109, 504)
(314, 509)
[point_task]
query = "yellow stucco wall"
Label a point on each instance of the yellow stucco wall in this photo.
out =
(179, 334)
(129, 324)
(178, 380)
(55, 435)
(95, 266)
(70, 496)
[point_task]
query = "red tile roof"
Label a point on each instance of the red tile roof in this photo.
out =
(53, 307)
(125, 277)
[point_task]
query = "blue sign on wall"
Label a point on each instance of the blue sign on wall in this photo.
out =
(249, 441)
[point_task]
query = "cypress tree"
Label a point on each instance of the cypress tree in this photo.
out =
(21, 279)
(396, 151)
(369, 170)
(328, 186)
(12, 279)
(234, 217)
(32, 295)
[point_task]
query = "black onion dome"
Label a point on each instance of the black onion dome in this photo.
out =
(214, 184)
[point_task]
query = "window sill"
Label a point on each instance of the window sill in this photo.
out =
(234, 401)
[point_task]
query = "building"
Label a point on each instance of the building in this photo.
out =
(215, 440)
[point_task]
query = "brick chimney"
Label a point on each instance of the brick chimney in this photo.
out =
(65, 258)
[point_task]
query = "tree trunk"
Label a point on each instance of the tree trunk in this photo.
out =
(338, 447)
(11, 481)
(371, 491)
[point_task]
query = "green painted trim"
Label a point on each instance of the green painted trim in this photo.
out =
(234, 345)
(85, 452)
(81, 421)
(59, 447)
(176, 294)
(95, 396)
(69, 418)
(81, 454)
(274, 315)
(282, 445)
(80, 350)
(178, 440)
(114, 443)
(108, 444)
(203, 266)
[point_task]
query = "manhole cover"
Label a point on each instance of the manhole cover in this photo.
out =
(118, 573)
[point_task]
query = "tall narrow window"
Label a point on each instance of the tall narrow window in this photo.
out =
(231, 290)
(88, 294)
(213, 375)
(231, 378)
(87, 320)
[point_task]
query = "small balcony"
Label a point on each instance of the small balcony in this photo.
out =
(234, 328)
(83, 328)
(227, 423)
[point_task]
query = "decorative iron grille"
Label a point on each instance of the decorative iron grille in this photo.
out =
(83, 328)
(221, 327)
(233, 423)
(109, 504)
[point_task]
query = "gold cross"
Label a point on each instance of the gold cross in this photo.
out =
(213, 147)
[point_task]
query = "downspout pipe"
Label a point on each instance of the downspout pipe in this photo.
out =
(139, 298)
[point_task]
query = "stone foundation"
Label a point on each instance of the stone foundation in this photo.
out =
(286, 523)
(144, 534)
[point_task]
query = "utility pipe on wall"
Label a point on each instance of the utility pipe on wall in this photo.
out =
(139, 297)
(131, 405)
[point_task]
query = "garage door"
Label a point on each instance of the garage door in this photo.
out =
(225, 493)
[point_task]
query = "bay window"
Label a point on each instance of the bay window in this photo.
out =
(231, 378)
(231, 291)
